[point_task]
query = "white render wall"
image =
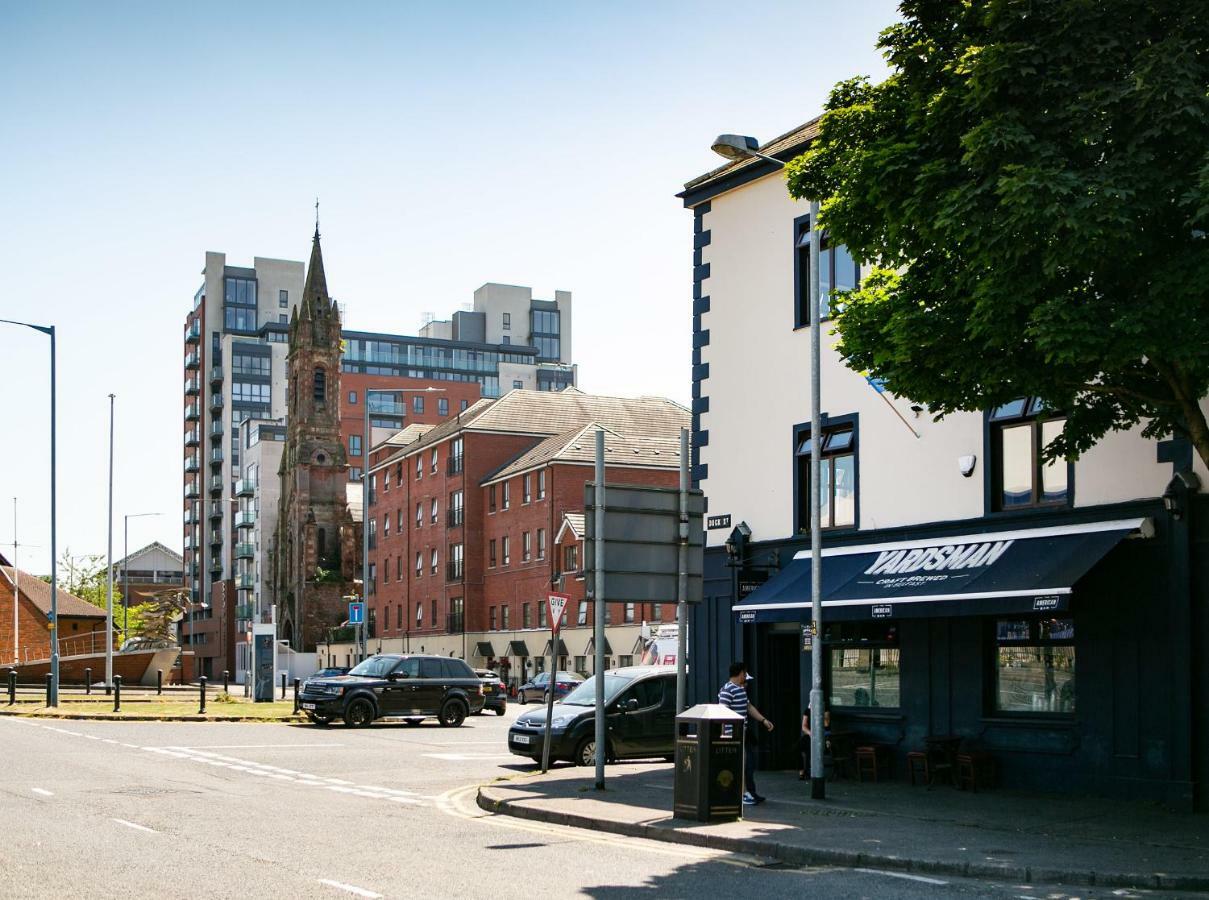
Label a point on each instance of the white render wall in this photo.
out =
(758, 389)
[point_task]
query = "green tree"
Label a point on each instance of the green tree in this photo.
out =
(84, 576)
(1032, 181)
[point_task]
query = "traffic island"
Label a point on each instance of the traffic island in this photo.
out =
(1010, 837)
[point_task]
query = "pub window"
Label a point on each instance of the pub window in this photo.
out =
(1035, 666)
(838, 271)
(837, 479)
(862, 665)
(1020, 430)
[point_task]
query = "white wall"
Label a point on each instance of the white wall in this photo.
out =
(758, 389)
(496, 299)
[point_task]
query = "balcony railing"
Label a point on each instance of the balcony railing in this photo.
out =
(455, 571)
(216, 401)
(191, 464)
(216, 428)
(454, 516)
(191, 490)
(455, 623)
(192, 387)
(245, 582)
(190, 517)
(216, 537)
(190, 542)
(215, 563)
(215, 374)
(455, 464)
(192, 360)
(193, 332)
(245, 611)
(245, 519)
(215, 484)
(245, 551)
(245, 487)
(192, 438)
(215, 509)
(216, 455)
(192, 413)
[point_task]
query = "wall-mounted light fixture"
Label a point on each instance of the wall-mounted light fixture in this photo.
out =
(1175, 497)
(966, 464)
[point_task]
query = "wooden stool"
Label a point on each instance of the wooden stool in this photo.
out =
(973, 769)
(866, 762)
(917, 762)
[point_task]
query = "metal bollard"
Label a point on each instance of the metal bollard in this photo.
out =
(283, 685)
(202, 682)
(117, 693)
(12, 686)
(49, 689)
(87, 682)
(159, 681)
(226, 681)
(297, 682)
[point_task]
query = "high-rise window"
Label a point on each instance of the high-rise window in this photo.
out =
(1020, 432)
(507, 322)
(283, 299)
(354, 445)
(434, 506)
(541, 543)
(504, 550)
(526, 546)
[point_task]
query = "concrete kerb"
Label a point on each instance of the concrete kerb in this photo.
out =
(815, 856)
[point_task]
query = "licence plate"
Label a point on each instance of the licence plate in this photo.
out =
(308, 706)
(520, 738)
(487, 689)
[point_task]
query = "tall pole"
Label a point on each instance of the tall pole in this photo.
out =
(16, 590)
(598, 595)
(362, 628)
(817, 790)
(109, 567)
(682, 582)
(54, 576)
(125, 576)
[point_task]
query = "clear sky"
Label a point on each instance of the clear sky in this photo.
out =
(450, 144)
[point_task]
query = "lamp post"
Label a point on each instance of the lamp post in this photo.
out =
(735, 147)
(109, 566)
(126, 566)
(364, 626)
(49, 330)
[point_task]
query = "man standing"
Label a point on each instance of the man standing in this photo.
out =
(734, 697)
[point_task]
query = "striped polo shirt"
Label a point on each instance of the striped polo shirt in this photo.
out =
(734, 698)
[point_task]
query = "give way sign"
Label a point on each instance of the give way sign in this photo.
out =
(557, 603)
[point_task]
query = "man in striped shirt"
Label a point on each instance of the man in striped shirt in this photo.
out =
(734, 697)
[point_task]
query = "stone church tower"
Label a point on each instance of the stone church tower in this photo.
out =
(316, 538)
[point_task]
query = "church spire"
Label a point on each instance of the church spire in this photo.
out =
(314, 294)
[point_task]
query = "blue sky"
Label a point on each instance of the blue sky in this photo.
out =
(450, 145)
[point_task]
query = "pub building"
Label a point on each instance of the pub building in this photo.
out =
(1051, 615)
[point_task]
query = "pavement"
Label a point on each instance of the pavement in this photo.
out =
(999, 835)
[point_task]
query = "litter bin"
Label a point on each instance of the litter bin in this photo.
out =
(709, 764)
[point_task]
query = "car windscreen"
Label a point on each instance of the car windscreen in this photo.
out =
(585, 693)
(375, 666)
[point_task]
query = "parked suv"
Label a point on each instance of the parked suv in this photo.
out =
(640, 719)
(539, 686)
(389, 685)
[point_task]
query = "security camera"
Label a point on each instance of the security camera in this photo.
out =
(966, 464)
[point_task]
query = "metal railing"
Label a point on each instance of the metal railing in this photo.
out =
(245, 519)
(455, 464)
(192, 412)
(245, 487)
(455, 571)
(192, 386)
(454, 516)
(245, 551)
(192, 360)
(193, 332)
(192, 438)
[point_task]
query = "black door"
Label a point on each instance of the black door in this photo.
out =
(396, 696)
(430, 687)
(778, 695)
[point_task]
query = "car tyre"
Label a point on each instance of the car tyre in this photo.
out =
(359, 713)
(501, 710)
(452, 714)
(521, 699)
(585, 752)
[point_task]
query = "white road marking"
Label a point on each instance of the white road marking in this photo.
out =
(351, 888)
(136, 826)
(251, 746)
(42, 791)
(903, 875)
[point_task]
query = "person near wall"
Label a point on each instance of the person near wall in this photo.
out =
(733, 696)
(804, 740)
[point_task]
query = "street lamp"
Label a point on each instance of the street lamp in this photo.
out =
(364, 626)
(49, 330)
(733, 146)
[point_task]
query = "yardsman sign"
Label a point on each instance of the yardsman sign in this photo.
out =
(930, 559)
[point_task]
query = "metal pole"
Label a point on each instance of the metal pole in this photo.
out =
(54, 576)
(817, 789)
(365, 520)
(682, 583)
(598, 596)
(126, 576)
(109, 558)
(117, 693)
(552, 689)
(16, 590)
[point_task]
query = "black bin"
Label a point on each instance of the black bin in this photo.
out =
(709, 764)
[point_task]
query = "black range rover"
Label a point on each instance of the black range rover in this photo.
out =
(408, 687)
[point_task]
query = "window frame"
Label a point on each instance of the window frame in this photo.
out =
(861, 635)
(1034, 414)
(1033, 641)
(801, 272)
(801, 485)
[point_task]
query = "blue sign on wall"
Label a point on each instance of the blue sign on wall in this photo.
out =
(356, 613)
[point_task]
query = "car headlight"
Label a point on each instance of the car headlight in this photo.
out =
(336, 689)
(560, 722)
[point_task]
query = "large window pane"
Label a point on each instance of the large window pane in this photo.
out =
(824, 493)
(1017, 465)
(1036, 679)
(844, 502)
(865, 676)
(1054, 472)
(845, 269)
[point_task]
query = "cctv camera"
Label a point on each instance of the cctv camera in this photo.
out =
(966, 464)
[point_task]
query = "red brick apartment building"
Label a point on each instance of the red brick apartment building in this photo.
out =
(465, 519)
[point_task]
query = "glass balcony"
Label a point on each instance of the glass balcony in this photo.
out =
(216, 484)
(190, 517)
(190, 542)
(216, 536)
(245, 519)
(215, 564)
(216, 401)
(192, 360)
(192, 413)
(191, 464)
(245, 610)
(245, 487)
(216, 428)
(215, 456)
(216, 375)
(193, 332)
(191, 491)
(245, 551)
(192, 387)
(192, 438)
(245, 582)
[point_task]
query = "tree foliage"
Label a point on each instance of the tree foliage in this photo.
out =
(1032, 181)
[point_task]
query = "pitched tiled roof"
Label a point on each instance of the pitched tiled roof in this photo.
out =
(554, 413)
(784, 147)
(576, 523)
(37, 592)
(154, 545)
(654, 447)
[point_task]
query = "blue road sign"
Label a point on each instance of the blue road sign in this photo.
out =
(356, 613)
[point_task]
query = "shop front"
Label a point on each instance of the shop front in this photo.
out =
(1065, 651)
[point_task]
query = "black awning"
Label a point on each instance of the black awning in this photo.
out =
(517, 648)
(988, 573)
(562, 648)
(484, 649)
(592, 646)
